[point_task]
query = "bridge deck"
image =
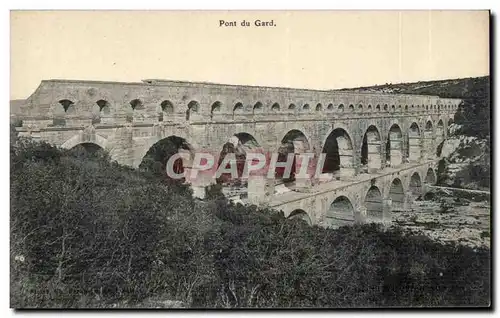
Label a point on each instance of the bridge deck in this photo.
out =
(291, 196)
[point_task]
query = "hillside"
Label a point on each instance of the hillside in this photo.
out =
(467, 150)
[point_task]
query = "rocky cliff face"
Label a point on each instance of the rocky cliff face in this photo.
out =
(466, 162)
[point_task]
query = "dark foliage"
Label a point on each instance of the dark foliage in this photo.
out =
(86, 232)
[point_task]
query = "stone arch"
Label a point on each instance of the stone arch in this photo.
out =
(193, 107)
(377, 108)
(351, 108)
(430, 177)
(104, 106)
(414, 142)
(240, 144)
(341, 108)
(373, 204)
(158, 155)
(428, 140)
(275, 107)
(369, 107)
(291, 106)
(386, 107)
(393, 108)
(319, 107)
(339, 151)
(258, 108)
(415, 187)
(167, 107)
(136, 104)
(86, 148)
(330, 106)
(216, 107)
(301, 215)
(371, 159)
(440, 129)
(238, 108)
(306, 107)
(340, 212)
(296, 142)
(82, 138)
(406, 108)
(360, 108)
(394, 146)
(68, 105)
(397, 195)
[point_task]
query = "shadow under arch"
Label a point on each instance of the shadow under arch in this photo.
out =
(371, 158)
(341, 212)
(430, 177)
(339, 153)
(394, 146)
(415, 187)
(156, 158)
(373, 205)
(294, 142)
(301, 215)
(414, 148)
(238, 145)
(397, 195)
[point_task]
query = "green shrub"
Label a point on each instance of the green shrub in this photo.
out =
(86, 232)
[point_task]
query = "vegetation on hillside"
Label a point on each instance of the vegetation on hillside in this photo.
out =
(87, 232)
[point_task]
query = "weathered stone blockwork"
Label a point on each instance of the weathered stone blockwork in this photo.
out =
(126, 119)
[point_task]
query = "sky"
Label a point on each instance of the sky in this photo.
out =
(304, 49)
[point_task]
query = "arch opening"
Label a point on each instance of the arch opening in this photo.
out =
(394, 146)
(430, 177)
(238, 146)
(167, 107)
(306, 107)
(67, 105)
(136, 104)
(341, 108)
(294, 142)
(428, 140)
(291, 107)
(156, 158)
(319, 107)
(275, 107)
(193, 108)
(440, 129)
(86, 149)
(397, 195)
(216, 107)
(370, 150)
(373, 205)
(104, 106)
(341, 213)
(414, 143)
(339, 154)
(415, 185)
(258, 108)
(300, 215)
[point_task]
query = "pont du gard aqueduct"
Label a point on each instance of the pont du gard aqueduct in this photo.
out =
(382, 150)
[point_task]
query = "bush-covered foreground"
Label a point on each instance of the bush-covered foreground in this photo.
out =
(86, 232)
